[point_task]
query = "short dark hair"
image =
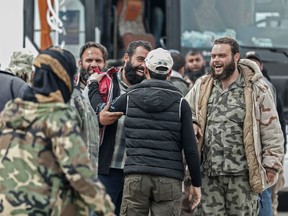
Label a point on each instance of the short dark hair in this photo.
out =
(134, 44)
(230, 41)
(157, 76)
(194, 52)
(96, 45)
(178, 61)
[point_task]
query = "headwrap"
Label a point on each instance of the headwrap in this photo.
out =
(21, 64)
(53, 79)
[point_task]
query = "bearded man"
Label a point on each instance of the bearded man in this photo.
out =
(112, 153)
(239, 134)
(92, 56)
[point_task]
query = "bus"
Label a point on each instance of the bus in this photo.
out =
(259, 25)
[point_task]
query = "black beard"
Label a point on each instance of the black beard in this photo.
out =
(84, 75)
(194, 75)
(131, 74)
(227, 71)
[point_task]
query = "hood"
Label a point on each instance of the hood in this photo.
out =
(177, 76)
(252, 70)
(154, 95)
(19, 114)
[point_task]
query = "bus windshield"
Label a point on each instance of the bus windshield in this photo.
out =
(253, 23)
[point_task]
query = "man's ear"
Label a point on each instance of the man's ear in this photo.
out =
(79, 63)
(236, 57)
(125, 58)
(182, 71)
(169, 75)
(146, 73)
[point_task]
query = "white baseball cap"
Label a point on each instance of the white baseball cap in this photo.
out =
(159, 58)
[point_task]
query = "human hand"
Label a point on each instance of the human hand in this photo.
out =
(108, 118)
(197, 132)
(195, 196)
(270, 176)
(96, 76)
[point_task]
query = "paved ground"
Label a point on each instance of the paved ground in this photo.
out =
(282, 213)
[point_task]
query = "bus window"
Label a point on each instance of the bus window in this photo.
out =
(260, 23)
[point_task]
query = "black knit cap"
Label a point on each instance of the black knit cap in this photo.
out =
(60, 61)
(53, 78)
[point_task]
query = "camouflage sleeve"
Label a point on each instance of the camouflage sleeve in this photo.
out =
(71, 154)
(271, 133)
(89, 126)
(92, 131)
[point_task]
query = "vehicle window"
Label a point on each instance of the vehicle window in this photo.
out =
(261, 23)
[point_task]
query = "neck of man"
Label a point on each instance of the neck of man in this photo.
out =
(124, 79)
(82, 83)
(228, 81)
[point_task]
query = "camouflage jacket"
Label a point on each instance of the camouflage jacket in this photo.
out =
(263, 137)
(45, 169)
(88, 126)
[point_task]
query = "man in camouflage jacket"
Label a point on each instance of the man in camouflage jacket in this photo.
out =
(245, 157)
(88, 125)
(44, 168)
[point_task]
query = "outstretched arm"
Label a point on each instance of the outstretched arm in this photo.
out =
(106, 117)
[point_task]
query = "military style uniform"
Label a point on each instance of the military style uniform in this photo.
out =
(88, 126)
(44, 167)
(242, 139)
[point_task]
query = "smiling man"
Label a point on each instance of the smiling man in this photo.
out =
(112, 153)
(157, 130)
(239, 135)
(92, 55)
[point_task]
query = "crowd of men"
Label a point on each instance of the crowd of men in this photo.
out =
(77, 138)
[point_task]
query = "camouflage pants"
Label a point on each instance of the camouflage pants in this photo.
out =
(227, 195)
(274, 191)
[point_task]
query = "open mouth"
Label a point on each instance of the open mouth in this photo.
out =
(140, 72)
(218, 67)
